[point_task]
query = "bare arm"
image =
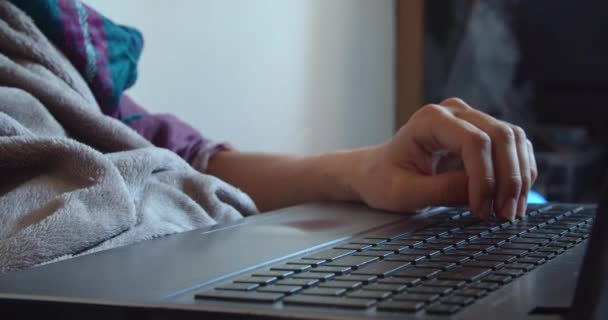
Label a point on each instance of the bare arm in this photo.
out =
(498, 167)
(276, 181)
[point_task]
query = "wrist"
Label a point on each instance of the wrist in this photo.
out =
(348, 171)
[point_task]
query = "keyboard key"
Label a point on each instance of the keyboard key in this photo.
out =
(420, 252)
(570, 239)
(458, 300)
(405, 258)
(552, 231)
(307, 262)
(521, 266)
(436, 264)
(329, 302)
(389, 247)
(540, 254)
(378, 253)
(365, 294)
(353, 246)
(324, 291)
(443, 309)
(349, 285)
(437, 246)
(430, 290)
(451, 258)
(520, 246)
(273, 273)
(421, 237)
(330, 254)
(245, 296)
(551, 249)
(291, 267)
(352, 261)
(479, 247)
(509, 252)
(238, 286)
(314, 275)
(257, 280)
(469, 274)
(537, 235)
(422, 297)
(423, 273)
(401, 306)
(280, 289)
(297, 282)
(382, 268)
(470, 292)
(410, 282)
(489, 286)
(386, 287)
(466, 253)
(500, 279)
(446, 283)
(354, 277)
(514, 273)
(539, 242)
(331, 269)
(532, 260)
(484, 264)
(407, 242)
(497, 258)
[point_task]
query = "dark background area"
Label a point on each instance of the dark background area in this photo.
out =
(558, 88)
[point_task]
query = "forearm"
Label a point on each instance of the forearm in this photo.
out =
(275, 181)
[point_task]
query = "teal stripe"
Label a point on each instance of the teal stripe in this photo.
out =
(91, 53)
(46, 16)
(131, 117)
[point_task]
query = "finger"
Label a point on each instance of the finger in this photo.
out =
(521, 142)
(533, 168)
(440, 130)
(505, 159)
(456, 104)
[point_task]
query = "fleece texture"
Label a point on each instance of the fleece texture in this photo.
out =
(74, 181)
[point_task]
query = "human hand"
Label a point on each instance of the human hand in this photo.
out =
(498, 164)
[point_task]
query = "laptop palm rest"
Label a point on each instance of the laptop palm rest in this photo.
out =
(167, 267)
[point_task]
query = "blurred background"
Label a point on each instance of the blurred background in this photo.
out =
(307, 76)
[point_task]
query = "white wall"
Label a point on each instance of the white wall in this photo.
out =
(268, 75)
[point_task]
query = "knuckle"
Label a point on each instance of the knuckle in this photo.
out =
(480, 141)
(503, 133)
(432, 110)
(511, 186)
(455, 101)
(526, 182)
(519, 133)
(488, 187)
(533, 175)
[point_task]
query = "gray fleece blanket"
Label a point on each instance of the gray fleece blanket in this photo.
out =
(73, 181)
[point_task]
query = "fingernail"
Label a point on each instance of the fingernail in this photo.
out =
(522, 206)
(486, 208)
(508, 209)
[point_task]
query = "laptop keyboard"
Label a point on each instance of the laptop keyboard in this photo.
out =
(439, 269)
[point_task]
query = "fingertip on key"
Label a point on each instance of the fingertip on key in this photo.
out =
(522, 206)
(509, 209)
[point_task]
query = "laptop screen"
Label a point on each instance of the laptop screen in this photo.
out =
(591, 297)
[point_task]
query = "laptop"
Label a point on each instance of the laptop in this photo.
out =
(339, 261)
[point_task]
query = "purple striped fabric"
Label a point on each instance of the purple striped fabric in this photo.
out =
(106, 55)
